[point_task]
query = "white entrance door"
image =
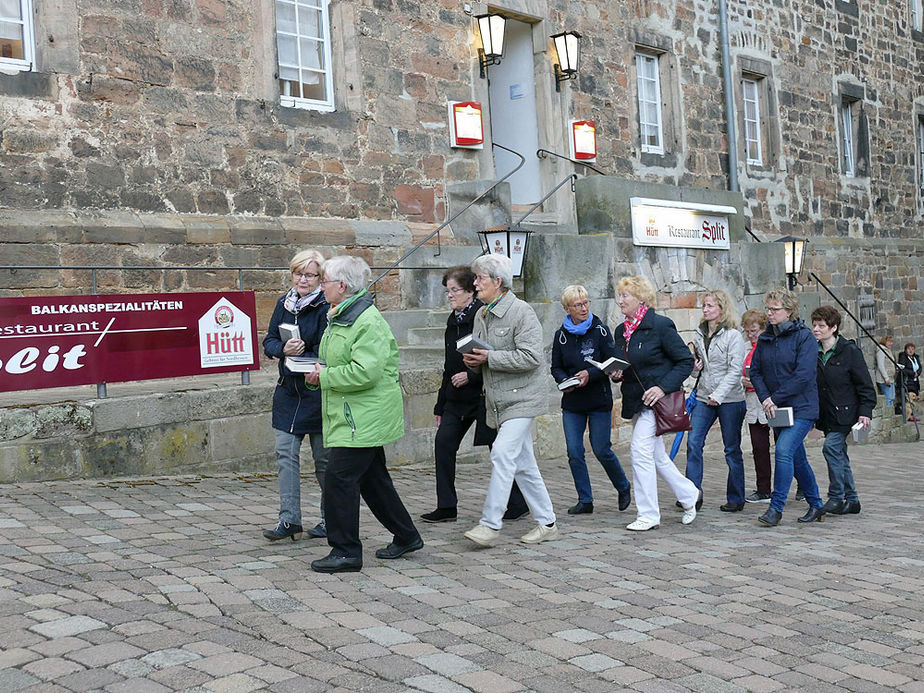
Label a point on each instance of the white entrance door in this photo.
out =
(512, 95)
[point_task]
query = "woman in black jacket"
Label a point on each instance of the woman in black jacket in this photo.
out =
(589, 402)
(660, 363)
(845, 396)
(296, 406)
(460, 401)
(910, 368)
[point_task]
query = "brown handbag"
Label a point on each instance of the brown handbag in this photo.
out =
(671, 414)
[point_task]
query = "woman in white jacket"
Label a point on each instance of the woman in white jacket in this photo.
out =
(884, 371)
(720, 352)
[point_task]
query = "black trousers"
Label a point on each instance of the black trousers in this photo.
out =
(355, 472)
(448, 439)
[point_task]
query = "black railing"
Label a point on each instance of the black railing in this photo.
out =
(436, 232)
(571, 176)
(542, 153)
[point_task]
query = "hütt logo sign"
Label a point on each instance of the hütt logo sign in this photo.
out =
(678, 224)
(59, 341)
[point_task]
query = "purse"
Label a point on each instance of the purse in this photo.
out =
(671, 414)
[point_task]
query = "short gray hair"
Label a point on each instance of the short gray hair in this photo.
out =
(496, 266)
(352, 271)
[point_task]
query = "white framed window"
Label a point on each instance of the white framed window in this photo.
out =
(649, 103)
(752, 128)
(303, 47)
(921, 153)
(847, 140)
(17, 47)
(917, 14)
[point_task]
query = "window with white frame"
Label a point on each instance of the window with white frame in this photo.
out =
(921, 154)
(848, 139)
(303, 45)
(649, 103)
(17, 50)
(917, 14)
(752, 126)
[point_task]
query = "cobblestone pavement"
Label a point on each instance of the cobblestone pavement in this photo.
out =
(167, 584)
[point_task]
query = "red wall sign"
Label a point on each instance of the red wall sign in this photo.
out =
(466, 128)
(57, 341)
(583, 140)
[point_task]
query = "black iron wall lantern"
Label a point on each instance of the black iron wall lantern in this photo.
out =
(491, 27)
(568, 49)
(793, 255)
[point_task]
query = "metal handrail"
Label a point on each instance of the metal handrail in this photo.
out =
(446, 223)
(541, 153)
(571, 176)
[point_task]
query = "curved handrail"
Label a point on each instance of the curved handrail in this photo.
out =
(542, 152)
(452, 218)
(571, 176)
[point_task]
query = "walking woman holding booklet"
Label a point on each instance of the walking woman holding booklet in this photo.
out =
(783, 373)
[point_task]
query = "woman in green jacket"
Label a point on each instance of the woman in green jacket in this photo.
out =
(361, 412)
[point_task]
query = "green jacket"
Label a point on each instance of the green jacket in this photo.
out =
(361, 403)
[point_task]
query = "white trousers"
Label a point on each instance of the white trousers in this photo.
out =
(650, 460)
(512, 457)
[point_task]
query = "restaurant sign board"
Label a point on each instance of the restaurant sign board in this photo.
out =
(58, 341)
(677, 224)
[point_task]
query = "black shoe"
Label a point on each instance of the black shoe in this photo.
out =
(835, 506)
(337, 564)
(625, 498)
(283, 530)
(581, 508)
(515, 514)
(699, 502)
(319, 531)
(396, 550)
(731, 507)
(771, 518)
(813, 515)
(440, 515)
(800, 495)
(850, 508)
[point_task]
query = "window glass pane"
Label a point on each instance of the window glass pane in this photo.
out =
(285, 18)
(10, 9)
(309, 21)
(311, 54)
(288, 50)
(11, 43)
(313, 86)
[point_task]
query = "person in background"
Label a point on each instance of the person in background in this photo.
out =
(296, 406)
(362, 411)
(754, 322)
(783, 373)
(590, 403)
(910, 364)
(515, 392)
(884, 371)
(460, 402)
(720, 354)
(660, 363)
(845, 396)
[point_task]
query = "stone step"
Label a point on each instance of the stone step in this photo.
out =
(401, 321)
(413, 357)
(425, 336)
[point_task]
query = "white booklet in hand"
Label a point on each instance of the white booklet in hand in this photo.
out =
(466, 344)
(288, 331)
(569, 382)
(611, 365)
(303, 364)
(860, 432)
(783, 418)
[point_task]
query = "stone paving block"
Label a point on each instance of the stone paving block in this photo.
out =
(448, 664)
(595, 662)
(488, 682)
(235, 683)
(51, 668)
(15, 680)
(431, 683)
(101, 655)
(73, 625)
(139, 685)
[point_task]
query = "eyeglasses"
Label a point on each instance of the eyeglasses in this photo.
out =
(772, 309)
(581, 304)
(453, 292)
(305, 275)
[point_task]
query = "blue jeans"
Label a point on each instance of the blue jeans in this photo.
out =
(889, 392)
(731, 418)
(789, 461)
(840, 478)
(288, 446)
(574, 424)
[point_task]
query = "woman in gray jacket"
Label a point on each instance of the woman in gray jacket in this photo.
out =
(515, 392)
(720, 352)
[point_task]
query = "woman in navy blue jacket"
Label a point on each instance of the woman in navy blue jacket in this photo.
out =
(296, 407)
(583, 335)
(783, 373)
(660, 363)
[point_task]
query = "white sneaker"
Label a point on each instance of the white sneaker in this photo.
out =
(689, 514)
(483, 535)
(541, 533)
(642, 525)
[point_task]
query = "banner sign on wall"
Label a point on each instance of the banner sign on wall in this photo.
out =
(676, 224)
(58, 341)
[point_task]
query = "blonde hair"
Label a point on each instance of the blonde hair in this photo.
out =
(757, 317)
(571, 294)
(787, 299)
(727, 319)
(639, 287)
(304, 258)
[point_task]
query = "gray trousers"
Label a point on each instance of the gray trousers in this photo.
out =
(288, 447)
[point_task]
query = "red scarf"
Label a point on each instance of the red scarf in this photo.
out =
(630, 325)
